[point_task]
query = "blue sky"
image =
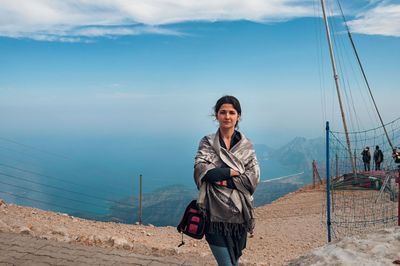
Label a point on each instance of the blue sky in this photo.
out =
(123, 68)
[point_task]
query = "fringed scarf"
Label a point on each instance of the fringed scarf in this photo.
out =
(229, 211)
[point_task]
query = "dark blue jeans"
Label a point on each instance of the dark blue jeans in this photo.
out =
(222, 256)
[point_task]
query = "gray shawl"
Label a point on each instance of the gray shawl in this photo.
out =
(226, 207)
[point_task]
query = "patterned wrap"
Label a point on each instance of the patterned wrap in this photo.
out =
(222, 205)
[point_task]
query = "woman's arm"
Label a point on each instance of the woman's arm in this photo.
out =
(217, 174)
(250, 178)
(220, 176)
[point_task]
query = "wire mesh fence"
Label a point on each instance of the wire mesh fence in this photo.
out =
(367, 199)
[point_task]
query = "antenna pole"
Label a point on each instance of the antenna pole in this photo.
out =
(336, 77)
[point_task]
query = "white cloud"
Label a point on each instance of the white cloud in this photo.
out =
(86, 34)
(383, 19)
(84, 20)
(80, 20)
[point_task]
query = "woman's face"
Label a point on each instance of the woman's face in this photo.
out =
(227, 116)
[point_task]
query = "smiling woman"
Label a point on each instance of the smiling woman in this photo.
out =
(227, 173)
(228, 113)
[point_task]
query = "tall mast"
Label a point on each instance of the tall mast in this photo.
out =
(336, 77)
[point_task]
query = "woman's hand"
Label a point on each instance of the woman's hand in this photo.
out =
(223, 183)
(234, 173)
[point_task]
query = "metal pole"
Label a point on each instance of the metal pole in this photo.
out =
(398, 199)
(140, 201)
(355, 156)
(313, 173)
(336, 77)
(328, 194)
(337, 165)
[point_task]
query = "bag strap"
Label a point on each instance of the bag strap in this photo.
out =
(201, 197)
(182, 243)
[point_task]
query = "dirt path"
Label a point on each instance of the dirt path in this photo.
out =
(17, 249)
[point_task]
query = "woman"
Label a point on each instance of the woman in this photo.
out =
(227, 173)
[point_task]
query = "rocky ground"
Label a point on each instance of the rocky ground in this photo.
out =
(378, 248)
(286, 229)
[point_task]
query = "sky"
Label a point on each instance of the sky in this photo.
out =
(156, 68)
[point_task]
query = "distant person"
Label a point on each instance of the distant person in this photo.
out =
(366, 157)
(378, 158)
(396, 155)
(226, 172)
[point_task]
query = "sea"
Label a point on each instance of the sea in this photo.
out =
(89, 175)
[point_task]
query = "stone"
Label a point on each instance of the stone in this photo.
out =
(25, 230)
(176, 251)
(118, 242)
(59, 231)
(4, 227)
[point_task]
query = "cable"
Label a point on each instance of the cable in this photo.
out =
(15, 151)
(13, 160)
(47, 176)
(42, 151)
(364, 75)
(53, 195)
(368, 130)
(36, 149)
(62, 189)
(46, 203)
(87, 195)
(35, 173)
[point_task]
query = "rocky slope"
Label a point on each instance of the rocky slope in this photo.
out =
(287, 228)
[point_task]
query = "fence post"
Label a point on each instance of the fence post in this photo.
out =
(328, 202)
(337, 165)
(140, 201)
(398, 198)
(313, 174)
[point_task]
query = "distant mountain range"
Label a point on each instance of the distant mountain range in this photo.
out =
(300, 152)
(296, 154)
(161, 207)
(166, 205)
